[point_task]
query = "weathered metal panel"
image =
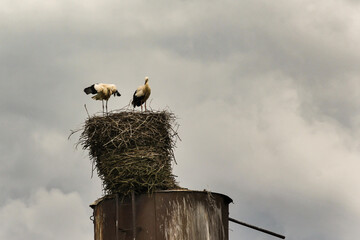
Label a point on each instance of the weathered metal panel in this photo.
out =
(191, 215)
(163, 215)
(104, 220)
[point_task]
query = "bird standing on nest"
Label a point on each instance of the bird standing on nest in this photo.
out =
(103, 92)
(141, 94)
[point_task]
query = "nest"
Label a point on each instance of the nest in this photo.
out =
(132, 151)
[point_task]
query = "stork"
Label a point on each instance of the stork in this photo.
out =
(103, 92)
(141, 94)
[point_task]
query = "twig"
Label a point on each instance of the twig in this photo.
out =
(87, 110)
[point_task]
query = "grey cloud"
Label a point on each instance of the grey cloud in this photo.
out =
(266, 95)
(42, 216)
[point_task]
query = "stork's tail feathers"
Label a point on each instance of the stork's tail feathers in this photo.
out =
(116, 93)
(137, 101)
(90, 89)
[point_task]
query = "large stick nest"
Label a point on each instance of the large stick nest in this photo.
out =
(132, 151)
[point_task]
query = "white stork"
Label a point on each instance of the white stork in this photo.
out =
(103, 92)
(141, 94)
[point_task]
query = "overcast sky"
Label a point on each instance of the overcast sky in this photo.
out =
(266, 94)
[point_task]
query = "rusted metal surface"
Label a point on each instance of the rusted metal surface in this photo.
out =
(133, 207)
(163, 215)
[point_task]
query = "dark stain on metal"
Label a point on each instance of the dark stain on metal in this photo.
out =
(117, 216)
(133, 207)
(163, 215)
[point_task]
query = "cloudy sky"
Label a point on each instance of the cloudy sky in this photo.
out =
(266, 94)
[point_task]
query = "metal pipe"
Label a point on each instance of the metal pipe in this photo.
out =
(256, 228)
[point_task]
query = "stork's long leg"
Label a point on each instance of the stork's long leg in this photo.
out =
(145, 106)
(106, 106)
(102, 101)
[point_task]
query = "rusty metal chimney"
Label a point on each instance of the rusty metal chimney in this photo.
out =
(162, 215)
